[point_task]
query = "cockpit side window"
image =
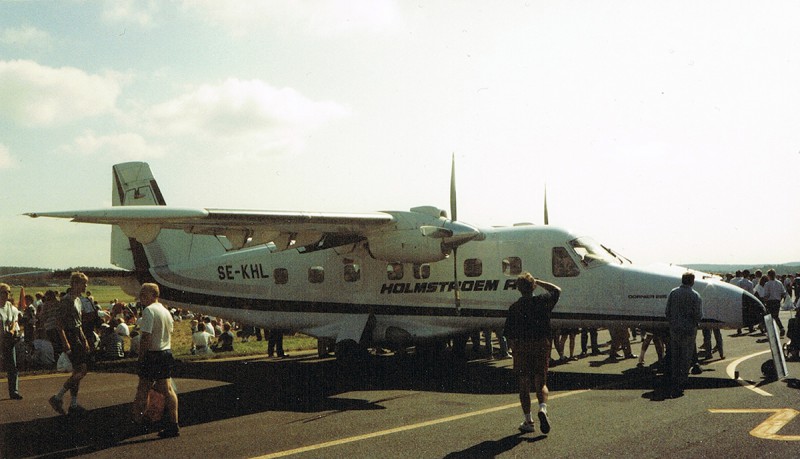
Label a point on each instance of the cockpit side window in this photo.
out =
(591, 252)
(563, 264)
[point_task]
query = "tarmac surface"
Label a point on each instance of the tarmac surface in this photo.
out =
(398, 407)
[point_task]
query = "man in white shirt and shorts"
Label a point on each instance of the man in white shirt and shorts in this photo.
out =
(155, 359)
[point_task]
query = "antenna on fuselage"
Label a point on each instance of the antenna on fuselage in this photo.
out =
(454, 217)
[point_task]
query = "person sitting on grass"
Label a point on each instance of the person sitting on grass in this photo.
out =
(201, 339)
(225, 340)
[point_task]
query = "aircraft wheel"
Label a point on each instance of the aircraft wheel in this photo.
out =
(324, 347)
(350, 352)
(768, 370)
(430, 352)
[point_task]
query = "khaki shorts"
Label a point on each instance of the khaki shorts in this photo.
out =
(532, 357)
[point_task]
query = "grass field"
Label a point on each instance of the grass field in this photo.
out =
(182, 335)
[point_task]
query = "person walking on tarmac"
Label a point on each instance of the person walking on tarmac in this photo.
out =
(527, 329)
(156, 360)
(684, 310)
(74, 341)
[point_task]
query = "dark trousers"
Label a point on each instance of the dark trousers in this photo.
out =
(587, 333)
(774, 308)
(275, 343)
(682, 348)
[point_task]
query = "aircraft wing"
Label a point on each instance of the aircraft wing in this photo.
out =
(241, 227)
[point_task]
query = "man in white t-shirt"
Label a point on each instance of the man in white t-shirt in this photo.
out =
(155, 359)
(773, 294)
(9, 317)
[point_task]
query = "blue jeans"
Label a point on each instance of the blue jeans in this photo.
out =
(10, 362)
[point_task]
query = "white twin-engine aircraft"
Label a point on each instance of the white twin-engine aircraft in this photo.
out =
(392, 279)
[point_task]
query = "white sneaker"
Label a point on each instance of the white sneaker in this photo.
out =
(544, 422)
(527, 427)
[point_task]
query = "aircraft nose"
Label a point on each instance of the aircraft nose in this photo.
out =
(753, 310)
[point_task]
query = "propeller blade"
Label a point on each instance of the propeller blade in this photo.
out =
(456, 291)
(454, 217)
(546, 216)
(453, 207)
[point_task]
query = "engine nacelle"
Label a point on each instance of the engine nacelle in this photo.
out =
(406, 246)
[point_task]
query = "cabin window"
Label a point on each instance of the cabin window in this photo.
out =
(352, 272)
(394, 271)
(473, 267)
(281, 275)
(563, 264)
(316, 274)
(512, 266)
(422, 271)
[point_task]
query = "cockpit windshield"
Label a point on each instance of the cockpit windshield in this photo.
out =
(591, 252)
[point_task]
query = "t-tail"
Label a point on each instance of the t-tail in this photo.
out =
(143, 245)
(133, 185)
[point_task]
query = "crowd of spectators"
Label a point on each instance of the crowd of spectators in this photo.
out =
(112, 330)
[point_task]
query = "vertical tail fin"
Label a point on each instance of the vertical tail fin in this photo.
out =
(133, 184)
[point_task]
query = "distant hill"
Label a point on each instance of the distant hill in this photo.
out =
(19, 275)
(787, 268)
(5, 270)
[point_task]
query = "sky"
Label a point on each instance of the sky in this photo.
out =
(669, 131)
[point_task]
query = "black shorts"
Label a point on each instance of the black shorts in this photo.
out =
(78, 354)
(156, 365)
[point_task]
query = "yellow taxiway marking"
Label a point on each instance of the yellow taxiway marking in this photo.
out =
(42, 376)
(731, 370)
(769, 428)
(420, 425)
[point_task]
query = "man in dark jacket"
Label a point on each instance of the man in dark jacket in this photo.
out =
(684, 311)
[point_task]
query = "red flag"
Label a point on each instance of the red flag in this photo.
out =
(21, 304)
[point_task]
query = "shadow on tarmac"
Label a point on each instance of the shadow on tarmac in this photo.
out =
(305, 385)
(495, 447)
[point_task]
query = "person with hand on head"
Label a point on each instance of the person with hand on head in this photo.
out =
(527, 329)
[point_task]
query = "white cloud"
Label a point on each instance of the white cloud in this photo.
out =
(125, 146)
(250, 116)
(25, 36)
(5, 157)
(135, 12)
(36, 95)
(330, 17)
